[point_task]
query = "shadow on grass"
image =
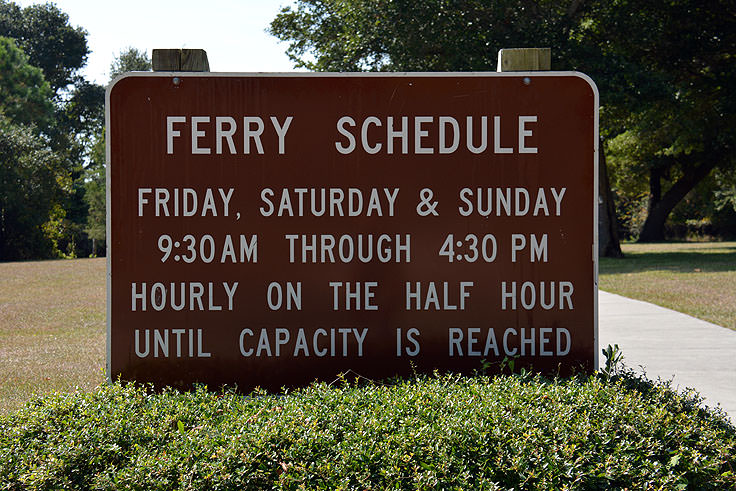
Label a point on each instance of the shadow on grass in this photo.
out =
(686, 261)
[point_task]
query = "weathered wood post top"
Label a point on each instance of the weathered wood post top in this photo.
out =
(524, 59)
(180, 60)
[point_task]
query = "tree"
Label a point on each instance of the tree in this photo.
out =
(25, 97)
(33, 178)
(32, 181)
(665, 70)
(435, 35)
(60, 50)
(95, 196)
(682, 113)
(43, 32)
(130, 60)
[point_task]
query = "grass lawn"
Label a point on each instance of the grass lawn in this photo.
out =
(697, 278)
(52, 328)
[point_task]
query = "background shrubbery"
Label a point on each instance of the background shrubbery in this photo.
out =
(442, 432)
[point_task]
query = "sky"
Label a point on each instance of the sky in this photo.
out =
(231, 31)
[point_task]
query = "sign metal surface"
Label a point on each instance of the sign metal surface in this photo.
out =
(268, 230)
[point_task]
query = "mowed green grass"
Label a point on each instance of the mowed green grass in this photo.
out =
(52, 328)
(696, 278)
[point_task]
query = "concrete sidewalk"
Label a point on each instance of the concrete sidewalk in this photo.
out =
(670, 345)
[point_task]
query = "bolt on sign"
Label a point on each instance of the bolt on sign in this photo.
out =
(269, 230)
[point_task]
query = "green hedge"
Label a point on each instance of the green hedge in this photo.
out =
(441, 432)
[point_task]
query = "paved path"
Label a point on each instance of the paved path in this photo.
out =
(668, 344)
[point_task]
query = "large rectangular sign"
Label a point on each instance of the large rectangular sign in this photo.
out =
(269, 230)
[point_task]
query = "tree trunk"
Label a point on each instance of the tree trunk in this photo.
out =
(660, 207)
(608, 243)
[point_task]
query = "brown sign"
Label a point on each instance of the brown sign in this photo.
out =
(269, 230)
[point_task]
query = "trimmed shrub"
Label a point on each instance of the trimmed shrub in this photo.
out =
(441, 432)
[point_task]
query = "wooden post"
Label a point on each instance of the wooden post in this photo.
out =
(524, 59)
(180, 60)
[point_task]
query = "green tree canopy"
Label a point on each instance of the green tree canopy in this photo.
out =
(59, 50)
(43, 32)
(25, 97)
(33, 178)
(678, 120)
(401, 35)
(32, 181)
(130, 60)
(665, 70)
